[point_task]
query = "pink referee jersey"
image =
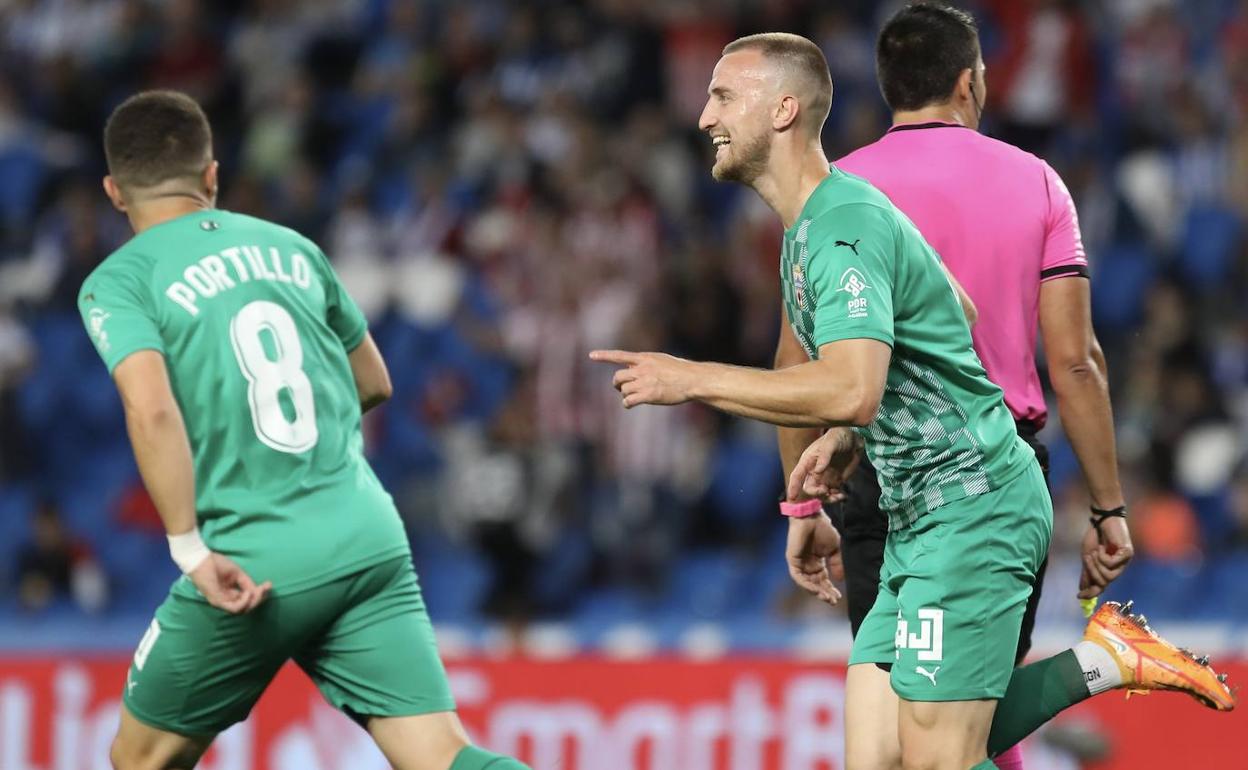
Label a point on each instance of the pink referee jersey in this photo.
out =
(1000, 218)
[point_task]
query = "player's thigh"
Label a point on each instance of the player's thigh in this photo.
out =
(420, 742)
(198, 669)
(871, 708)
(142, 747)
(864, 531)
(965, 571)
(378, 657)
(947, 735)
(870, 704)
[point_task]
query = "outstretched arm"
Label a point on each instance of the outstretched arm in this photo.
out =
(843, 387)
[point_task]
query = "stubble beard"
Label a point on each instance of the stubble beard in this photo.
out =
(750, 163)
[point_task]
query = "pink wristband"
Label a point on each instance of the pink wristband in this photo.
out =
(802, 510)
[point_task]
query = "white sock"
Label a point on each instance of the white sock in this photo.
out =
(1100, 670)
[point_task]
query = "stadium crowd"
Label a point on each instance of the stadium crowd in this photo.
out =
(504, 186)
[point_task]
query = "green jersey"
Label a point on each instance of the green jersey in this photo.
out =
(853, 266)
(255, 329)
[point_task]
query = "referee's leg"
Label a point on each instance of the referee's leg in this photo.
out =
(864, 528)
(1027, 431)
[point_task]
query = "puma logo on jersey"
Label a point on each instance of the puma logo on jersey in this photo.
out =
(929, 674)
(852, 246)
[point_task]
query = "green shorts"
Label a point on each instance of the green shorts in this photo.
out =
(364, 639)
(953, 590)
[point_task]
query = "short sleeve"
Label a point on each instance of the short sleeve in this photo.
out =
(1063, 245)
(850, 264)
(342, 314)
(119, 318)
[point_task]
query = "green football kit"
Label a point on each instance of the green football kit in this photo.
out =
(969, 514)
(255, 330)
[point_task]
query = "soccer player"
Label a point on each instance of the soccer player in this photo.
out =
(890, 356)
(1005, 225)
(244, 367)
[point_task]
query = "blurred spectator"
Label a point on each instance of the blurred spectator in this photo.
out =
(511, 492)
(52, 566)
(17, 356)
(1043, 76)
(1164, 527)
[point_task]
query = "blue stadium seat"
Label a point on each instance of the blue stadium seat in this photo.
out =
(453, 579)
(1222, 593)
(601, 608)
(707, 585)
(1124, 272)
(562, 574)
(1161, 589)
(745, 479)
(23, 172)
(1211, 235)
(17, 501)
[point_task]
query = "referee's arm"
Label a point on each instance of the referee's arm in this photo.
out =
(1077, 371)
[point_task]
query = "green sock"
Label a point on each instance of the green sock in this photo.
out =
(473, 758)
(1036, 693)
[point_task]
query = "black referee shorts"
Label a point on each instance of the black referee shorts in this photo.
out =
(863, 530)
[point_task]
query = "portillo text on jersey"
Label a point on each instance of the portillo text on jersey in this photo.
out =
(217, 273)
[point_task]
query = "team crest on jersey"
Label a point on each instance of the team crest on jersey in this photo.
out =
(208, 225)
(799, 284)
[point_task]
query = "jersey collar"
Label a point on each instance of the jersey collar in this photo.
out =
(929, 124)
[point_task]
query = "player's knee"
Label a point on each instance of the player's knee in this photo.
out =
(915, 756)
(878, 757)
(876, 751)
(937, 750)
(125, 754)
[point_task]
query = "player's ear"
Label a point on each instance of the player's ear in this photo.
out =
(210, 180)
(114, 194)
(786, 112)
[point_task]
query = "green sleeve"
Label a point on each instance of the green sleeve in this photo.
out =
(342, 314)
(850, 264)
(119, 318)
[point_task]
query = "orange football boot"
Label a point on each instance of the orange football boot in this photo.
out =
(1149, 662)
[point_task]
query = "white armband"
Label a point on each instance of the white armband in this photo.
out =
(188, 550)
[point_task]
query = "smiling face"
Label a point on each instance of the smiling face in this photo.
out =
(738, 115)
